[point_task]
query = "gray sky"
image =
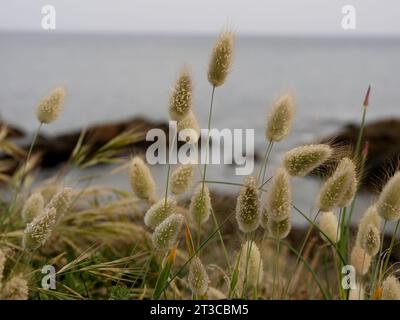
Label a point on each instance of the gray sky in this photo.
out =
(374, 17)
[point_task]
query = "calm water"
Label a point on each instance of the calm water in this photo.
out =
(115, 77)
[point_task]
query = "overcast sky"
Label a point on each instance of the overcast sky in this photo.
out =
(373, 17)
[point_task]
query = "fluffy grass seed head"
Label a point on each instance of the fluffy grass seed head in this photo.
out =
(350, 192)
(200, 204)
(198, 278)
(62, 202)
(180, 102)
(32, 207)
(248, 213)
(142, 181)
(166, 233)
(279, 196)
(279, 229)
(39, 230)
(189, 128)
(391, 288)
(280, 119)
(254, 264)
(50, 107)
(334, 190)
(159, 211)
(328, 223)
(360, 260)
(181, 179)
(15, 289)
(370, 240)
(302, 160)
(221, 59)
(370, 221)
(388, 204)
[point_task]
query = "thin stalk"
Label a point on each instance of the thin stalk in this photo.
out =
(376, 270)
(391, 246)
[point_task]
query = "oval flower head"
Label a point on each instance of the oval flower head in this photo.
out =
(200, 204)
(360, 260)
(142, 181)
(391, 289)
(250, 257)
(166, 233)
(198, 278)
(181, 179)
(388, 204)
(279, 196)
(189, 128)
(248, 213)
(370, 218)
(39, 230)
(371, 239)
(62, 202)
(221, 59)
(159, 211)
(180, 102)
(32, 207)
(50, 107)
(280, 119)
(279, 229)
(302, 160)
(328, 224)
(335, 188)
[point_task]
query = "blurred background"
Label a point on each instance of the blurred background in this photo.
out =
(119, 59)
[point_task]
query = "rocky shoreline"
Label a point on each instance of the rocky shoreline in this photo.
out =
(383, 139)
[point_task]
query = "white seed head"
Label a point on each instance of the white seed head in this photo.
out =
(348, 196)
(198, 278)
(334, 189)
(142, 181)
(302, 160)
(200, 204)
(189, 128)
(279, 196)
(250, 257)
(50, 107)
(180, 102)
(370, 241)
(248, 213)
(166, 233)
(391, 288)
(39, 230)
(62, 202)
(15, 289)
(280, 119)
(328, 224)
(32, 207)
(279, 229)
(221, 59)
(159, 211)
(388, 205)
(181, 179)
(360, 260)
